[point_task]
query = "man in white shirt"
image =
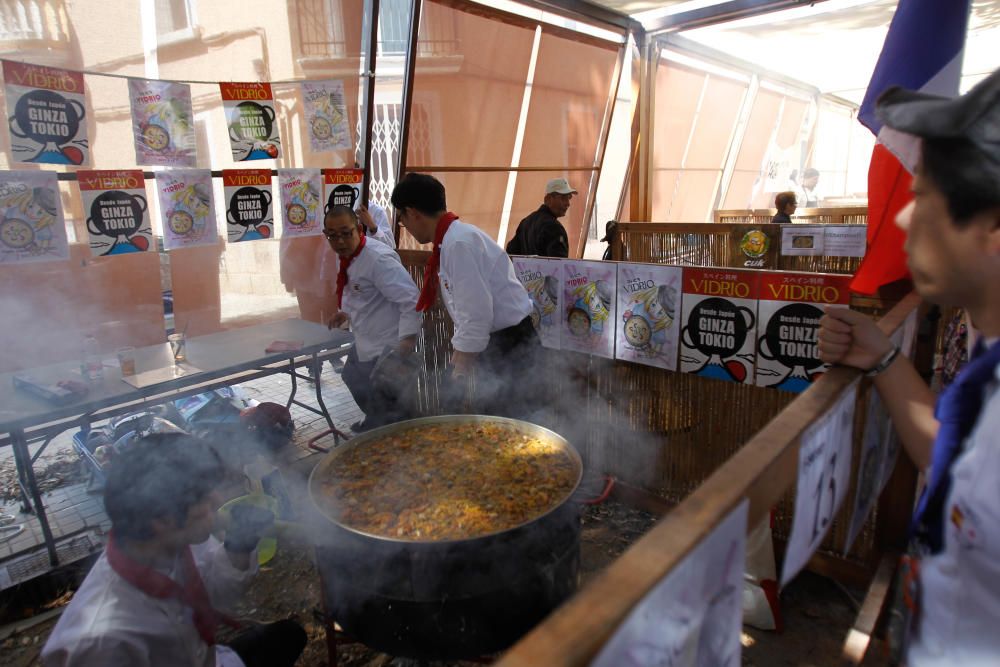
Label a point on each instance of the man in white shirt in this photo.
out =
(376, 223)
(494, 339)
(378, 298)
(152, 598)
(953, 248)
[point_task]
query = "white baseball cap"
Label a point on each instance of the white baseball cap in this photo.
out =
(560, 186)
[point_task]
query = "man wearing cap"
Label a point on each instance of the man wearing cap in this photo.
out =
(377, 296)
(494, 343)
(953, 248)
(541, 233)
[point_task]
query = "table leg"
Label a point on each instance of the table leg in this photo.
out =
(26, 475)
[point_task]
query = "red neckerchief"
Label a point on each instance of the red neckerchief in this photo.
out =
(158, 585)
(342, 273)
(428, 295)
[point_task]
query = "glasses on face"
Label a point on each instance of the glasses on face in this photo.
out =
(338, 236)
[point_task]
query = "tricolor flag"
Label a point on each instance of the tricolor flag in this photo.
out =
(922, 51)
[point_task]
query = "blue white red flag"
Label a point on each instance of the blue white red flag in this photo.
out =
(922, 51)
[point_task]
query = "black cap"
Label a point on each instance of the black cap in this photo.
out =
(608, 228)
(974, 116)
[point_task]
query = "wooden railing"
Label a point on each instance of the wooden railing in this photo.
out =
(763, 471)
(848, 215)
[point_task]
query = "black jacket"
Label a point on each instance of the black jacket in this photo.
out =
(540, 234)
(781, 218)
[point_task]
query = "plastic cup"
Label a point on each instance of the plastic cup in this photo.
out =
(178, 346)
(126, 360)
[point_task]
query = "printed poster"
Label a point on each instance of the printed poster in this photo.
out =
(791, 305)
(162, 123)
(542, 279)
(301, 190)
(326, 116)
(824, 475)
(802, 240)
(187, 206)
(694, 616)
(114, 203)
(589, 307)
(845, 240)
(719, 323)
(342, 187)
(250, 117)
(31, 219)
(649, 299)
(248, 204)
(47, 113)
(876, 448)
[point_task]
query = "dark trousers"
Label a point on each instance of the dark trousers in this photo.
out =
(379, 407)
(272, 645)
(510, 381)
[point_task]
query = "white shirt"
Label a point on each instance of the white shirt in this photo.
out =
(479, 287)
(960, 585)
(384, 231)
(381, 299)
(111, 623)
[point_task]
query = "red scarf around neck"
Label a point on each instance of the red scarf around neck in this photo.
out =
(158, 585)
(428, 295)
(342, 273)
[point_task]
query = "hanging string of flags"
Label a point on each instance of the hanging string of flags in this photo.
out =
(47, 119)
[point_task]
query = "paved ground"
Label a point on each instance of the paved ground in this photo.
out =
(76, 514)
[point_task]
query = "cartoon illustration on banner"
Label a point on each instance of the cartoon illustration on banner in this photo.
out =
(648, 307)
(116, 209)
(791, 305)
(326, 116)
(31, 220)
(46, 114)
(589, 308)
(541, 278)
(719, 317)
(187, 207)
(248, 204)
(342, 187)
(162, 123)
(300, 198)
(250, 116)
(693, 616)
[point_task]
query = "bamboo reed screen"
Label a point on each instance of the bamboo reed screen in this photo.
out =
(848, 215)
(662, 431)
(707, 244)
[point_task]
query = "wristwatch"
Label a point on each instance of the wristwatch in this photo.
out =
(884, 362)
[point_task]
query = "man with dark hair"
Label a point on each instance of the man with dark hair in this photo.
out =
(489, 306)
(953, 248)
(541, 233)
(807, 192)
(377, 296)
(152, 598)
(786, 205)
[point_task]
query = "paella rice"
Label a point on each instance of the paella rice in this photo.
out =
(447, 481)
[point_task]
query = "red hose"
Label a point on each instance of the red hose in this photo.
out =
(609, 484)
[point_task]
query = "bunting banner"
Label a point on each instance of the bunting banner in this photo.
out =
(250, 117)
(187, 207)
(114, 203)
(649, 299)
(326, 116)
(589, 307)
(248, 204)
(790, 307)
(31, 219)
(342, 187)
(719, 317)
(542, 278)
(46, 110)
(301, 191)
(162, 123)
